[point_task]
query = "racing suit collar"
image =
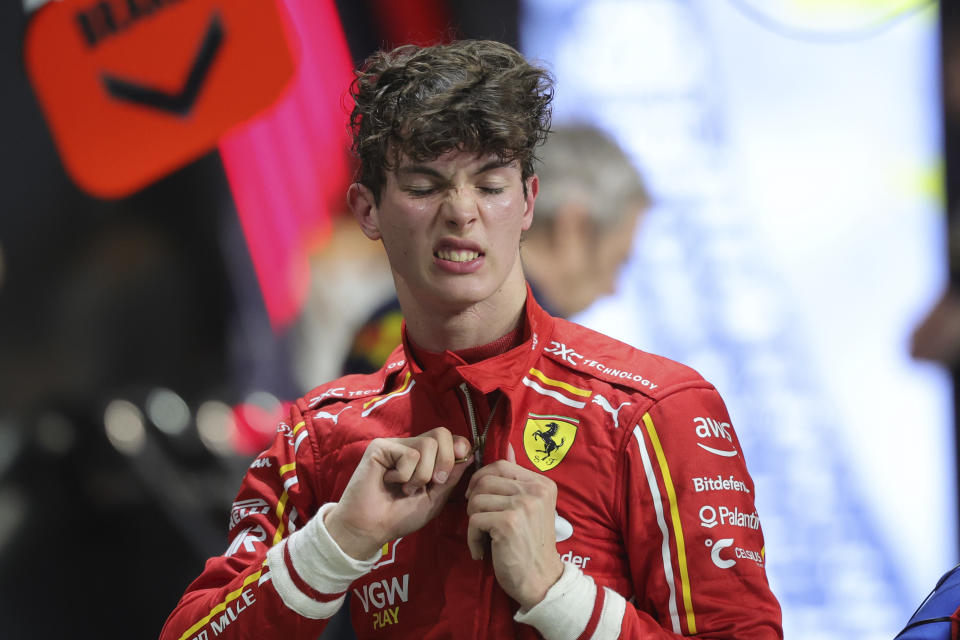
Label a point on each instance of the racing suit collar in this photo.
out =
(504, 371)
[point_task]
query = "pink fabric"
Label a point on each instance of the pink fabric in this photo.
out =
(289, 166)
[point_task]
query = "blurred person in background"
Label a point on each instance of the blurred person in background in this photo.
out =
(591, 199)
(506, 473)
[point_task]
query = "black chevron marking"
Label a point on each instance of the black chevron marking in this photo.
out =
(182, 102)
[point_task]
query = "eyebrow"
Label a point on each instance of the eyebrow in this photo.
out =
(430, 171)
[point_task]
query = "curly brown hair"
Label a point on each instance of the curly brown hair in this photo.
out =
(475, 95)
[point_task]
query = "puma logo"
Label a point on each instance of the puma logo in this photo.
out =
(332, 416)
(606, 406)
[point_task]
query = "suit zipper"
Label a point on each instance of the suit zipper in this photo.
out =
(477, 438)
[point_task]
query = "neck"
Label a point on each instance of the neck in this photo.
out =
(438, 328)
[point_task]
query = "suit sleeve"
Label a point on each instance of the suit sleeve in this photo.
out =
(281, 574)
(691, 532)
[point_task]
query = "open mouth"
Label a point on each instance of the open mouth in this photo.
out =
(457, 255)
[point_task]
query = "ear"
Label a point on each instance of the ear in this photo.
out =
(533, 188)
(364, 208)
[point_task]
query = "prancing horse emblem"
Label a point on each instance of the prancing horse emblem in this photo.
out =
(547, 435)
(547, 439)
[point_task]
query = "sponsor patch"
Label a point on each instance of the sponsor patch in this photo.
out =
(388, 553)
(547, 439)
(606, 406)
(712, 429)
(724, 558)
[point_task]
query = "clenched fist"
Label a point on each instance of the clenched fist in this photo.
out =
(399, 486)
(514, 510)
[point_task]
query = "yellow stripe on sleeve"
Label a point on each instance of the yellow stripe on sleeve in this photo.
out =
(577, 391)
(677, 528)
(281, 505)
(233, 595)
(288, 467)
(300, 425)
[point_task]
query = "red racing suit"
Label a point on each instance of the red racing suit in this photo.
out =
(655, 517)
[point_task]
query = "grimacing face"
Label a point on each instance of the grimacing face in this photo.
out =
(451, 227)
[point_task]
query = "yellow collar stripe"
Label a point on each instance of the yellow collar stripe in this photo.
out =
(577, 391)
(406, 381)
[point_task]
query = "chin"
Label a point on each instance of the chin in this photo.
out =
(463, 294)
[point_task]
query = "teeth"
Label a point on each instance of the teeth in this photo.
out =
(457, 256)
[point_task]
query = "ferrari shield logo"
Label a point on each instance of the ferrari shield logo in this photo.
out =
(546, 439)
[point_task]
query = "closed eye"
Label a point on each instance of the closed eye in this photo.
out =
(420, 191)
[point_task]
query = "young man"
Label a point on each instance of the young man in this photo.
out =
(506, 473)
(590, 201)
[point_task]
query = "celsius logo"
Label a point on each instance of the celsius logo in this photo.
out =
(740, 554)
(719, 546)
(710, 428)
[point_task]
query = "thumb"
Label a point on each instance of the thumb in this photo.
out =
(511, 456)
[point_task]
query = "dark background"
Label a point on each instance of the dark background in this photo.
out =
(110, 299)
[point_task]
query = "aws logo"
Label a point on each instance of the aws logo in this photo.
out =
(547, 439)
(710, 428)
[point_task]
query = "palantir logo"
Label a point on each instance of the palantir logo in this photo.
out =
(708, 516)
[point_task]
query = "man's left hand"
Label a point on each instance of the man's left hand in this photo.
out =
(514, 509)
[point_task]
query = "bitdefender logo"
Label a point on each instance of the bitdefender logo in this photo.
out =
(719, 483)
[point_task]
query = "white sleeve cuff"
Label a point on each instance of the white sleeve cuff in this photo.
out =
(320, 563)
(564, 612)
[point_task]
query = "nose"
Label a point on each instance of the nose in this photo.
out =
(459, 209)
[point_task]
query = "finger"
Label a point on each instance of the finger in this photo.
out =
(442, 491)
(503, 469)
(423, 473)
(462, 449)
(443, 463)
(495, 485)
(460, 446)
(487, 503)
(477, 537)
(511, 455)
(400, 461)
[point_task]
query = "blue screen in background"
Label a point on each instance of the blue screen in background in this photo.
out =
(797, 238)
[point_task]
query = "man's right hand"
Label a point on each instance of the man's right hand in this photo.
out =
(399, 486)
